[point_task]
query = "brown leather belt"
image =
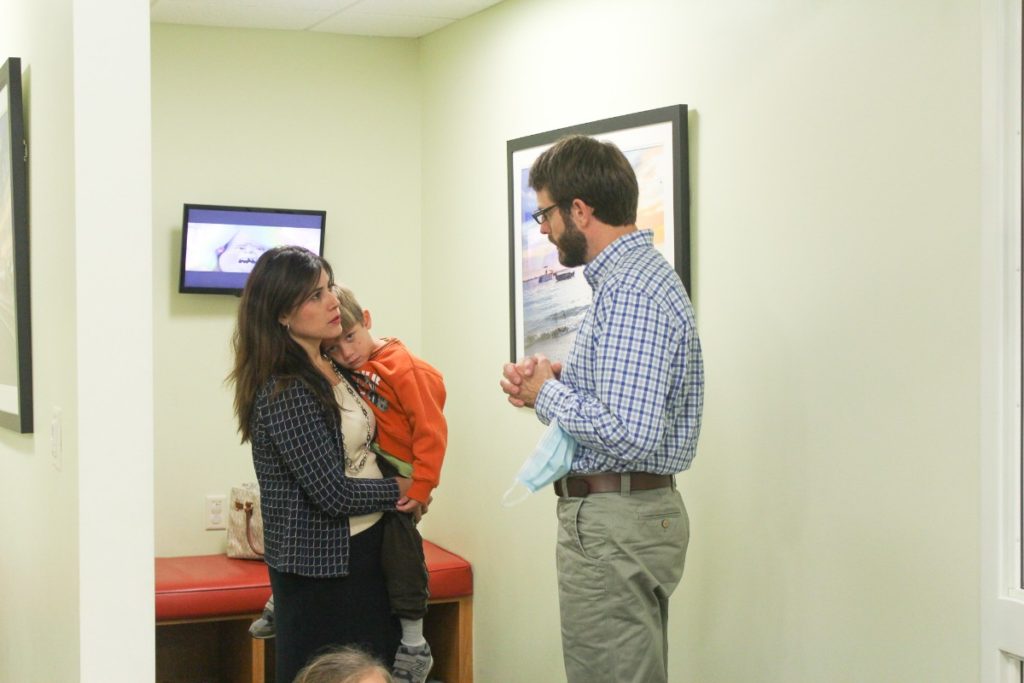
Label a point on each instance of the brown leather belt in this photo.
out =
(582, 485)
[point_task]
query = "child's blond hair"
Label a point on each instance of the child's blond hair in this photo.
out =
(344, 665)
(351, 311)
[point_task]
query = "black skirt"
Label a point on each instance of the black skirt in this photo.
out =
(314, 614)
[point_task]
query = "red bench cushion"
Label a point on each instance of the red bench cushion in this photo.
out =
(209, 586)
(450, 575)
(202, 586)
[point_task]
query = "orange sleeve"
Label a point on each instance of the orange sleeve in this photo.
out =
(421, 393)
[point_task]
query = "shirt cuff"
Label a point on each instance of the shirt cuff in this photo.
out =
(420, 491)
(550, 398)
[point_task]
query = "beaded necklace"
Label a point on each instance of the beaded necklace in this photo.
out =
(355, 466)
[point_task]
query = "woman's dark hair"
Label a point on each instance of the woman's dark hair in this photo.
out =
(598, 173)
(281, 279)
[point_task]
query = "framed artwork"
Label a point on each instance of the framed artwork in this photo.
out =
(547, 301)
(15, 308)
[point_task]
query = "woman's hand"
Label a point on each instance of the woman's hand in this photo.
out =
(403, 485)
(413, 507)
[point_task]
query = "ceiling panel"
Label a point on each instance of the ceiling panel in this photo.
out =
(319, 6)
(236, 14)
(366, 24)
(448, 9)
(399, 18)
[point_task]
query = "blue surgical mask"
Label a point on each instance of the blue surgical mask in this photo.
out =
(549, 462)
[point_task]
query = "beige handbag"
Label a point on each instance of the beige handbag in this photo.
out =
(245, 523)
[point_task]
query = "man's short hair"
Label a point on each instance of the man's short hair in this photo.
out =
(598, 173)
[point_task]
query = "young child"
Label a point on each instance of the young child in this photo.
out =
(407, 396)
(346, 665)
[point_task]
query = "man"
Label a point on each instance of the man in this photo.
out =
(631, 394)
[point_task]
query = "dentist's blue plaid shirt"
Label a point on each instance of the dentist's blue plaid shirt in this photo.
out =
(632, 390)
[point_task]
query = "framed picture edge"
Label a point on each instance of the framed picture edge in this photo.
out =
(11, 82)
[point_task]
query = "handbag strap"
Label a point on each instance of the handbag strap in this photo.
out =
(248, 524)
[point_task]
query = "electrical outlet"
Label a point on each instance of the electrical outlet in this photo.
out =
(216, 511)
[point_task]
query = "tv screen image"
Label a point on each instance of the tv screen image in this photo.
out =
(220, 244)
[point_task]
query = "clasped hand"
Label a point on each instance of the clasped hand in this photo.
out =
(406, 504)
(522, 381)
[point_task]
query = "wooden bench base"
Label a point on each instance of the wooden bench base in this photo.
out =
(205, 604)
(212, 650)
(220, 649)
(449, 630)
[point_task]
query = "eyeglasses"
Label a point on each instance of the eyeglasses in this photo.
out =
(541, 215)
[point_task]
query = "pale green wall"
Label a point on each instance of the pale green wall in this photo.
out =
(39, 561)
(835, 162)
(76, 566)
(834, 155)
(113, 293)
(279, 119)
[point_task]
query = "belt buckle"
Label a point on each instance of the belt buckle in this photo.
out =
(572, 487)
(577, 487)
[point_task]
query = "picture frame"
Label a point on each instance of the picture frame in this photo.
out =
(15, 304)
(547, 302)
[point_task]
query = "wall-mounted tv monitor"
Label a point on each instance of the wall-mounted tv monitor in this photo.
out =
(220, 244)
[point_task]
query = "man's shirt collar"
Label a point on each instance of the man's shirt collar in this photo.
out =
(605, 262)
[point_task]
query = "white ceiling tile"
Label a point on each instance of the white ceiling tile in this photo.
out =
(297, 5)
(449, 9)
(235, 16)
(405, 18)
(364, 24)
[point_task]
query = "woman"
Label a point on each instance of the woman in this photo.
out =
(326, 577)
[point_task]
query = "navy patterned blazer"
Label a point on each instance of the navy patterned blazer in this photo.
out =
(305, 497)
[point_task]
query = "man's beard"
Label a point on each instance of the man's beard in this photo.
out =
(572, 245)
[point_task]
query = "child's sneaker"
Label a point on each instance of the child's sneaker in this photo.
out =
(263, 627)
(412, 664)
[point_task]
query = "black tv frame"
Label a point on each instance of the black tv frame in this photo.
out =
(194, 289)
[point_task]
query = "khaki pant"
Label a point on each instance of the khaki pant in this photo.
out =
(619, 558)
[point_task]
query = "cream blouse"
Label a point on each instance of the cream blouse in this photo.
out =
(357, 428)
